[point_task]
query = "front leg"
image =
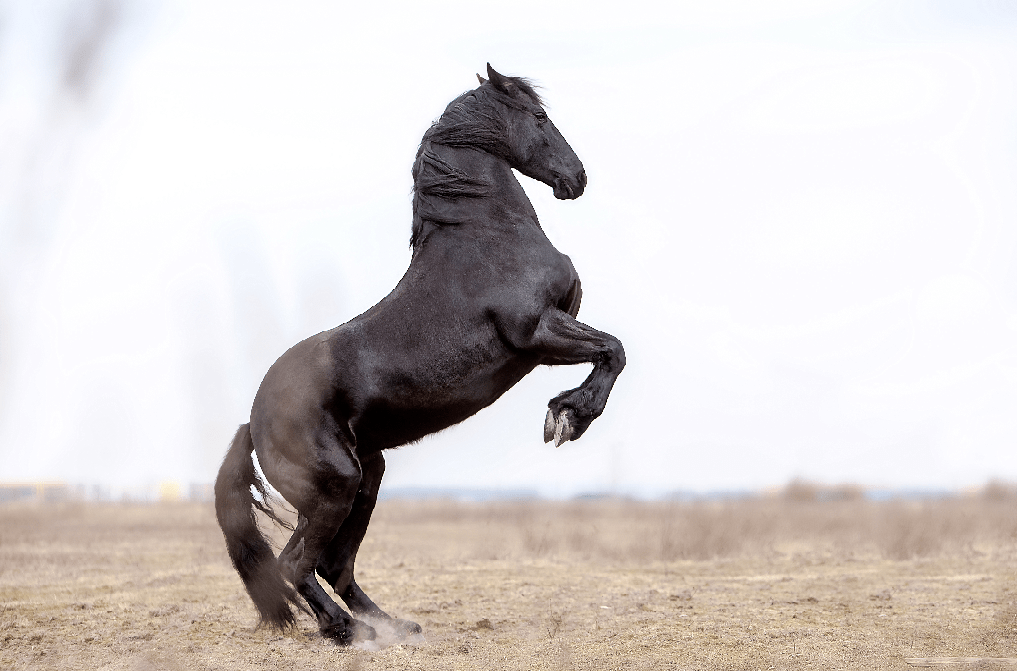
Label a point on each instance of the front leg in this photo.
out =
(561, 340)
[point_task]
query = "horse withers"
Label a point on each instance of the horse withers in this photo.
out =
(485, 300)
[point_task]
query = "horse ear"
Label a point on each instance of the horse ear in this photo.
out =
(501, 82)
(482, 80)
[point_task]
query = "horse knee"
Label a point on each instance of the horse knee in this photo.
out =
(616, 355)
(288, 561)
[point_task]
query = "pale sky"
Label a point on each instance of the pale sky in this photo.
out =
(801, 220)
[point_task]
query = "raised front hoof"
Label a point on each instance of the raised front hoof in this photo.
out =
(342, 633)
(559, 428)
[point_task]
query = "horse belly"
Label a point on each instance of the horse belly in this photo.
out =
(434, 397)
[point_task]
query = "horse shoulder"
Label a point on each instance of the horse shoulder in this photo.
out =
(551, 284)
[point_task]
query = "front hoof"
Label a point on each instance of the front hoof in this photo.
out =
(563, 430)
(560, 428)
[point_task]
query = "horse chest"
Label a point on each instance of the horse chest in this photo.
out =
(530, 271)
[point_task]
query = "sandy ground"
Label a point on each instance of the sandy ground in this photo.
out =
(765, 584)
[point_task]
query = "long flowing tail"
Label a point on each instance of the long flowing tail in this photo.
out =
(251, 554)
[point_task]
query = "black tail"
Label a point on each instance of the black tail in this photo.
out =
(251, 554)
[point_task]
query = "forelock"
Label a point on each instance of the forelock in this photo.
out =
(529, 88)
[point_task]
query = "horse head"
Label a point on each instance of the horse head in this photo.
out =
(532, 144)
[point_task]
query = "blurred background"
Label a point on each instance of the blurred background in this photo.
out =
(801, 220)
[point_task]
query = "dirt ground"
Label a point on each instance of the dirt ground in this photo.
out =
(759, 584)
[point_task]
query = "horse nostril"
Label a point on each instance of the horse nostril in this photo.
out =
(582, 177)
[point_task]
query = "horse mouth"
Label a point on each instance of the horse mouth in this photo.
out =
(564, 190)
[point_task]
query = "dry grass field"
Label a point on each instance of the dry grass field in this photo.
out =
(780, 583)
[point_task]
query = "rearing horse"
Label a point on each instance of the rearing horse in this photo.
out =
(485, 300)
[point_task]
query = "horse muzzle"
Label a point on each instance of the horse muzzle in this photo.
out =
(566, 188)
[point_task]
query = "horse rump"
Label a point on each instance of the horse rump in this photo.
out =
(248, 548)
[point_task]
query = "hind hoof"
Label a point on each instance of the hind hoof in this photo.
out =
(345, 634)
(338, 633)
(404, 628)
(363, 631)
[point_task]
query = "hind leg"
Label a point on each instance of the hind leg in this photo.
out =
(336, 563)
(325, 498)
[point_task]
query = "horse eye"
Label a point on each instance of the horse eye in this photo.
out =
(541, 117)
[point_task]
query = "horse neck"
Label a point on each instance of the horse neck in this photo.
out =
(479, 164)
(473, 181)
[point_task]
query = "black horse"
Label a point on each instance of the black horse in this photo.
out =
(485, 300)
